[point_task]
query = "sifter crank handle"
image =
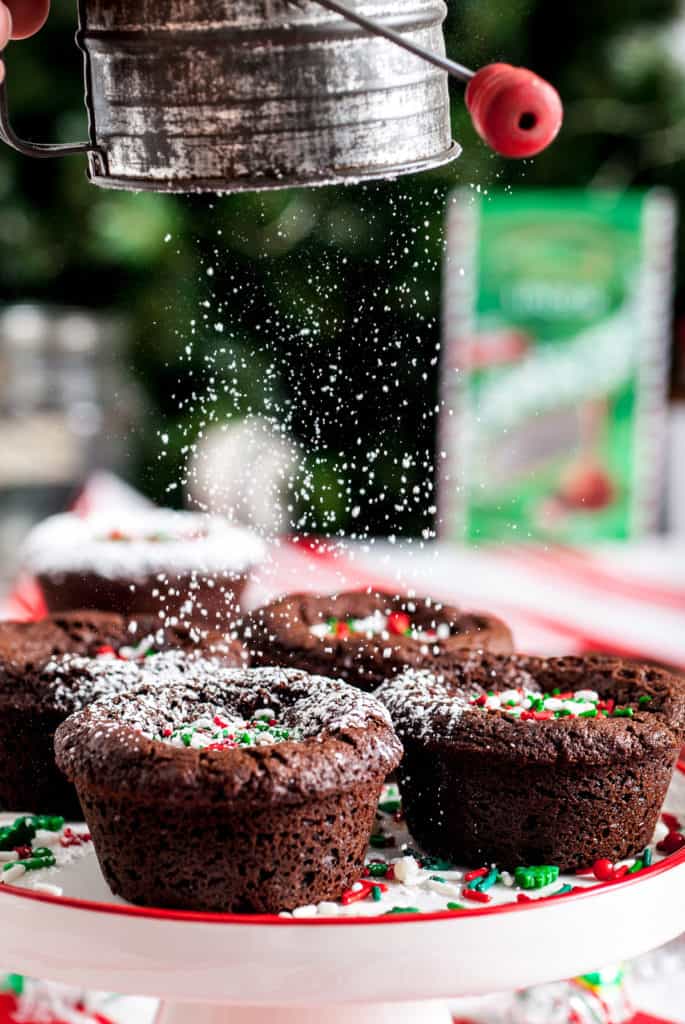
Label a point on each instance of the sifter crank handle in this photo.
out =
(515, 111)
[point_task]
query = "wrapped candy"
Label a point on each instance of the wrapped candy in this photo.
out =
(597, 998)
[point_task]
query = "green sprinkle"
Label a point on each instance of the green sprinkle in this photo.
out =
(456, 906)
(40, 858)
(588, 714)
(47, 822)
(380, 841)
(390, 806)
(403, 910)
(644, 699)
(187, 738)
(437, 878)
(376, 894)
(623, 713)
(15, 983)
(536, 877)
(647, 856)
(377, 870)
(487, 882)
(562, 713)
(562, 892)
(637, 866)
(436, 864)
(19, 833)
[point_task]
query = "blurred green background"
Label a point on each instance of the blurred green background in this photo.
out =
(321, 299)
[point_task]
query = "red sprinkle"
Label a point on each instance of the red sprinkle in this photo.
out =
(543, 716)
(398, 623)
(71, 838)
(522, 898)
(23, 851)
(106, 649)
(354, 895)
(620, 873)
(342, 629)
(475, 895)
(671, 843)
(390, 873)
(603, 870)
(366, 885)
(476, 873)
(670, 821)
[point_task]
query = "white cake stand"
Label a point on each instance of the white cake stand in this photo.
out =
(212, 969)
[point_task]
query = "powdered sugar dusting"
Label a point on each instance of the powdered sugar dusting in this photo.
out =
(74, 681)
(423, 703)
(312, 705)
(188, 542)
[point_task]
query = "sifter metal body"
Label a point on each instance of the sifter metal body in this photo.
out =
(226, 95)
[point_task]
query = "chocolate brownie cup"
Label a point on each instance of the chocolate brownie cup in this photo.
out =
(50, 668)
(520, 760)
(181, 566)
(366, 637)
(252, 790)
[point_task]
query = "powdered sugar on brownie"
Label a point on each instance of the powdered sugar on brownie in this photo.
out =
(312, 705)
(141, 545)
(421, 702)
(75, 681)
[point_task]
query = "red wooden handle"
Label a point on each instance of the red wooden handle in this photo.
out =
(515, 111)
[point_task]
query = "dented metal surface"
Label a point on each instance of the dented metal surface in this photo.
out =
(224, 95)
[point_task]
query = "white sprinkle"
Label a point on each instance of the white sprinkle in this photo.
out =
(407, 870)
(442, 888)
(310, 910)
(506, 879)
(11, 874)
(51, 890)
(8, 855)
(327, 909)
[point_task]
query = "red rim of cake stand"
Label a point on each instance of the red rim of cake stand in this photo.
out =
(159, 913)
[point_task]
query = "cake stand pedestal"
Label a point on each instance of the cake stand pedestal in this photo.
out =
(382, 1013)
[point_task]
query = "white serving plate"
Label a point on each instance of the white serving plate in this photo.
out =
(242, 969)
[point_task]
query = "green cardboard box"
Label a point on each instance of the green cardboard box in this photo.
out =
(554, 364)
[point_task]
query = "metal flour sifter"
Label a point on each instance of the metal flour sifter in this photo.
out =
(230, 95)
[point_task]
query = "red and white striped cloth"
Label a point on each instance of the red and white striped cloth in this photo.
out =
(627, 599)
